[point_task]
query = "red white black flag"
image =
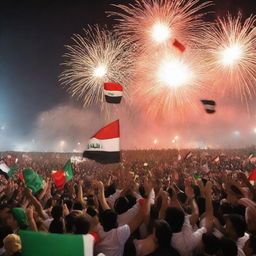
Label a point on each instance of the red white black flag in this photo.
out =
(104, 146)
(113, 92)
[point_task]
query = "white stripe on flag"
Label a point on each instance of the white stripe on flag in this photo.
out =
(110, 145)
(113, 93)
(88, 245)
(4, 167)
(210, 107)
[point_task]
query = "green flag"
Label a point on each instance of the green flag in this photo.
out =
(33, 180)
(47, 244)
(68, 171)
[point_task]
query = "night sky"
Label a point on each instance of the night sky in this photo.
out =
(32, 39)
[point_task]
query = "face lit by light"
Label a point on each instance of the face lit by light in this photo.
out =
(173, 73)
(100, 71)
(160, 32)
(231, 55)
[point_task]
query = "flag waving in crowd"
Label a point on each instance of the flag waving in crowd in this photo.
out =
(33, 180)
(6, 170)
(61, 177)
(104, 146)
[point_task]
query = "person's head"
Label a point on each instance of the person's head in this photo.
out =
(4, 231)
(108, 219)
(175, 218)
(17, 219)
(121, 205)
(12, 244)
(228, 247)
(69, 204)
(182, 197)
(210, 244)
(110, 190)
(77, 206)
(69, 220)
(250, 246)
(56, 226)
(162, 233)
(57, 212)
(81, 225)
(4, 209)
(235, 226)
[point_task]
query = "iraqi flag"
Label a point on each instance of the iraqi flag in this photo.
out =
(209, 106)
(113, 92)
(6, 170)
(41, 244)
(104, 146)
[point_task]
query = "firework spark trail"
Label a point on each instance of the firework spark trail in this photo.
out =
(231, 55)
(150, 22)
(97, 57)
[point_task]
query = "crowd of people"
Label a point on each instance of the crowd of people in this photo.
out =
(155, 202)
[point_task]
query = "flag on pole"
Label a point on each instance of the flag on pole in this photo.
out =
(252, 176)
(61, 177)
(113, 92)
(104, 146)
(42, 244)
(179, 45)
(6, 170)
(33, 180)
(209, 106)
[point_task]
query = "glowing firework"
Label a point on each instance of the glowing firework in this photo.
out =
(156, 21)
(231, 55)
(169, 83)
(93, 59)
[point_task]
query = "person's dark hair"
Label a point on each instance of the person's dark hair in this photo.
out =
(81, 225)
(4, 206)
(69, 204)
(228, 247)
(77, 206)
(252, 243)
(211, 243)
(108, 219)
(69, 221)
(57, 212)
(239, 209)
(56, 225)
(131, 201)
(110, 190)
(196, 191)
(163, 233)
(48, 203)
(238, 223)
(175, 218)
(121, 205)
(4, 231)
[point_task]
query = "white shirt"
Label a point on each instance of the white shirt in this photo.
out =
(187, 240)
(242, 240)
(126, 217)
(112, 242)
(112, 198)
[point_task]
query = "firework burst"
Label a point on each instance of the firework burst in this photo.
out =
(170, 82)
(231, 55)
(149, 23)
(97, 57)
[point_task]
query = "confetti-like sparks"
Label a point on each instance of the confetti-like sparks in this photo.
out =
(231, 55)
(151, 22)
(97, 57)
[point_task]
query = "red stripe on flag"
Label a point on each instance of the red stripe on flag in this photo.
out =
(252, 176)
(110, 131)
(113, 87)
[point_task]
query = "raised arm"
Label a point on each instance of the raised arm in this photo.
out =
(191, 198)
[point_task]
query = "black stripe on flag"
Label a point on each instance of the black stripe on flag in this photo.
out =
(113, 100)
(209, 106)
(103, 157)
